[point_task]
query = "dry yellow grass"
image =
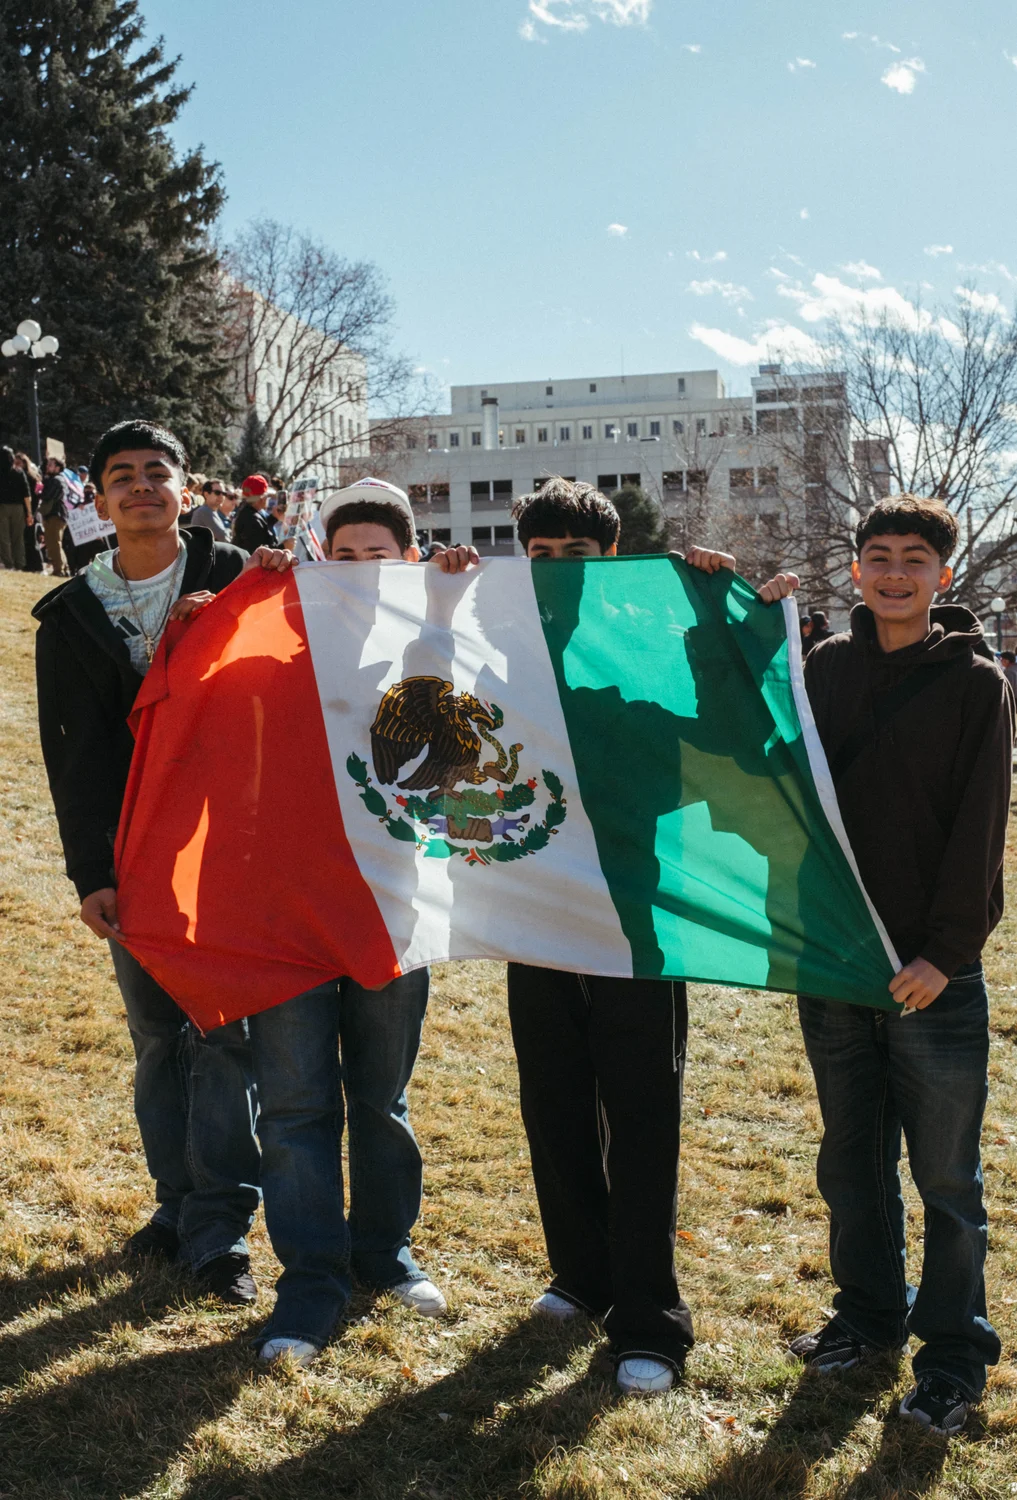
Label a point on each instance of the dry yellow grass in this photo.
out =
(115, 1382)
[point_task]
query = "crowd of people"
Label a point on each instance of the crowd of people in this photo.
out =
(34, 507)
(917, 723)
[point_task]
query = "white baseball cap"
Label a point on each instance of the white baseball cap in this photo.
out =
(367, 489)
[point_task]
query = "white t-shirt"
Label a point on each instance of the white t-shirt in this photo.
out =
(151, 598)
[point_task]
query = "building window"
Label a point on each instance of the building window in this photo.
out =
(440, 491)
(593, 387)
(520, 434)
(768, 478)
(674, 479)
(504, 533)
(541, 434)
(475, 439)
(632, 429)
(747, 426)
(417, 493)
(681, 385)
(564, 434)
(630, 479)
(678, 428)
(587, 433)
(411, 442)
(549, 390)
(482, 395)
(607, 482)
(655, 429)
(609, 431)
(441, 534)
(482, 534)
(432, 440)
(453, 440)
(740, 479)
(700, 427)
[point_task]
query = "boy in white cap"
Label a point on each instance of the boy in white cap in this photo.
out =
(302, 1093)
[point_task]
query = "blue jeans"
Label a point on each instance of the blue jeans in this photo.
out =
(301, 1084)
(195, 1104)
(878, 1075)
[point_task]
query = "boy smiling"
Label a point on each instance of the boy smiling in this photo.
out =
(917, 724)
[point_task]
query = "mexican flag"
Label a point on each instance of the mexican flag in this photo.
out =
(606, 765)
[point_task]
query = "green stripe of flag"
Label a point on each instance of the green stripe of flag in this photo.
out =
(678, 694)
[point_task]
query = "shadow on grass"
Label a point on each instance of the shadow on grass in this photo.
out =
(818, 1420)
(115, 1429)
(469, 1436)
(147, 1294)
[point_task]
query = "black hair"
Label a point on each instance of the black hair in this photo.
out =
(6, 458)
(373, 512)
(561, 507)
(1008, 656)
(904, 515)
(135, 434)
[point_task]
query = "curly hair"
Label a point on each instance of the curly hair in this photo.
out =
(904, 515)
(562, 507)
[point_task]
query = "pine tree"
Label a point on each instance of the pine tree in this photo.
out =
(103, 230)
(255, 454)
(643, 523)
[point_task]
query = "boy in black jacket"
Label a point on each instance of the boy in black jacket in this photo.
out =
(194, 1096)
(917, 724)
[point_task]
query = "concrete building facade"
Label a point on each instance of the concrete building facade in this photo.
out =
(676, 435)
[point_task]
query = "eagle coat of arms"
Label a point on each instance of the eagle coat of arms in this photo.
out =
(424, 714)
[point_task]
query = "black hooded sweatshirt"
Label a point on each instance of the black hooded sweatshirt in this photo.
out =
(87, 686)
(920, 743)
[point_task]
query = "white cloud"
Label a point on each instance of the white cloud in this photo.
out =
(903, 76)
(938, 250)
(1011, 58)
(618, 230)
(726, 289)
(862, 270)
(707, 260)
(991, 268)
(780, 275)
(574, 15)
(804, 214)
(800, 62)
(777, 341)
(692, 46)
(831, 298)
(849, 36)
(980, 301)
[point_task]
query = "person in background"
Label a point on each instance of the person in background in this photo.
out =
(209, 512)
(1008, 662)
(53, 507)
(252, 527)
(15, 510)
(33, 555)
(805, 627)
(277, 511)
(820, 629)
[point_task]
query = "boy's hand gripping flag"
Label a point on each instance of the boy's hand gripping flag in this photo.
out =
(603, 765)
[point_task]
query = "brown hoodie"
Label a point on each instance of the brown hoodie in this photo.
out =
(924, 790)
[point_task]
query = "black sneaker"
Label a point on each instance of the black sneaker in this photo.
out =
(157, 1240)
(229, 1278)
(937, 1405)
(834, 1348)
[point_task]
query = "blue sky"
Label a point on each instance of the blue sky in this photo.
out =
(556, 188)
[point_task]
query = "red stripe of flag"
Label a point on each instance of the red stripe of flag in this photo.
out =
(237, 886)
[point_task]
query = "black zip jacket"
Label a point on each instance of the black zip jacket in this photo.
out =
(919, 743)
(253, 528)
(86, 688)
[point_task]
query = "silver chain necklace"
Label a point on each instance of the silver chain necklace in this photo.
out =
(152, 640)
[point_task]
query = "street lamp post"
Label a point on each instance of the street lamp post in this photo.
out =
(998, 606)
(29, 340)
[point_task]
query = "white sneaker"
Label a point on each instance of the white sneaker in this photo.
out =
(641, 1374)
(299, 1350)
(550, 1305)
(421, 1297)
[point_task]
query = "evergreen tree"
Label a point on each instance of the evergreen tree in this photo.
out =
(255, 454)
(103, 230)
(643, 524)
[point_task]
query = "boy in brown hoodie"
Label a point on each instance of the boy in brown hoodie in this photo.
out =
(917, 724)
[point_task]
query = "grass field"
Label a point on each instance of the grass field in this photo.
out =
(118, 1382)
